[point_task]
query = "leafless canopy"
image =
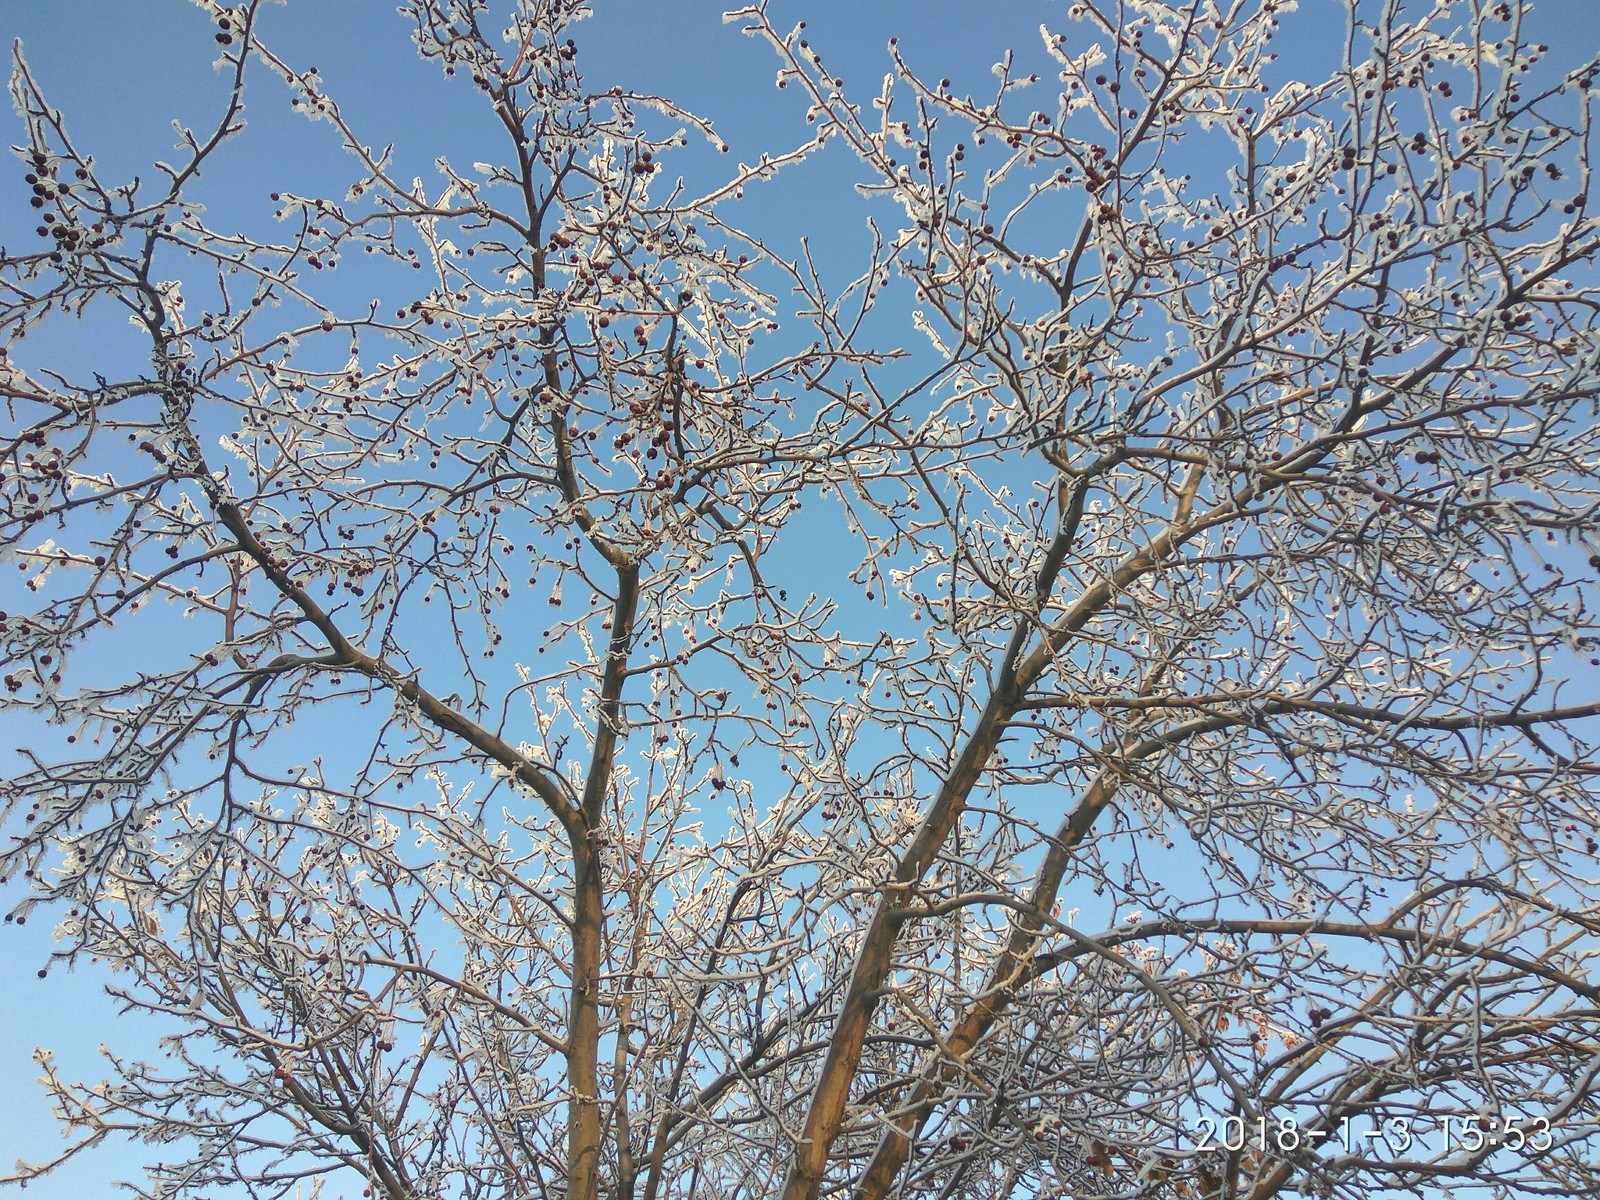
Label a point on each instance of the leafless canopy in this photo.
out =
(1072, 703)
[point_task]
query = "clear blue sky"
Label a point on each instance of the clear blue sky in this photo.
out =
(122, 70)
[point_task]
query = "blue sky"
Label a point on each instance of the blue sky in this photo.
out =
(122, 70)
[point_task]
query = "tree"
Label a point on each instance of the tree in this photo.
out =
(1072, 704)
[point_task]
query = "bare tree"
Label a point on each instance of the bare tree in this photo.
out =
(1072, 705)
